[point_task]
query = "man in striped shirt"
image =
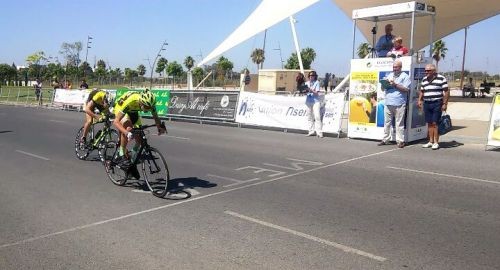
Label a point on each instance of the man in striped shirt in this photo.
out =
(434, 96)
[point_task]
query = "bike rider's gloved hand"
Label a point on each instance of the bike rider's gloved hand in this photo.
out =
(130, 136)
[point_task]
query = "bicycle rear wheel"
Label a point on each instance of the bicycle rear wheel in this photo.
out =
(82, 150)
(117, 175)
(155, 170)
(110, 140)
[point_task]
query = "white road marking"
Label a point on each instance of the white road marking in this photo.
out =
(243, 182)
(231, 179)
(32, 155)
(309, 237)
(57, 121)
(446, 175)
(140, 191)
(175, 137)
(90, 225)
(295, 166)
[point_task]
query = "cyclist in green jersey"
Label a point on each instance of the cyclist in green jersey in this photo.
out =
(97, 100)
(127, 117)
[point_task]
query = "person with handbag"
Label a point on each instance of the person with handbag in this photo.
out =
(315, 101)
(433, 98)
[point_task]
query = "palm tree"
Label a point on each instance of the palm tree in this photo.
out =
(439, 51)
(189, 62)
(364, 49)
(258, 57)
(141, 70)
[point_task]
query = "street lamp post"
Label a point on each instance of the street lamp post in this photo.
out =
(89, 41)
(162, 48)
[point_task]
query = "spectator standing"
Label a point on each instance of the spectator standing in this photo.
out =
(396, 97)
(332, 83)
(300, 80)
(398, 49)
(434, 95)
(326, 81)
(384, 43)
(315, 101)
(84, 85)
(38, 91)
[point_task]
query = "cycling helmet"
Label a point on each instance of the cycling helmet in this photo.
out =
(148, 99)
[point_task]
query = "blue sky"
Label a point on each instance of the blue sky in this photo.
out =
(125, 33)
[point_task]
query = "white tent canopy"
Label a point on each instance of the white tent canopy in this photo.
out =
(451, 15)
(267, 14)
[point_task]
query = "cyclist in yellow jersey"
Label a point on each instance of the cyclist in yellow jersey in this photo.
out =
(97, 99)
(127, 117)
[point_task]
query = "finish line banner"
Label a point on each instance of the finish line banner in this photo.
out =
(209, 105)
(287, 112)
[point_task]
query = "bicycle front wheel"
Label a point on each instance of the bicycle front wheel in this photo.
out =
(109, 141)
(116, 174)
(156, 174)
(83, 149)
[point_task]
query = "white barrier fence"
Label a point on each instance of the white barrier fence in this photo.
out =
(287, 112)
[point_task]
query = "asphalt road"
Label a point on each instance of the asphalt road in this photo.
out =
(259, 200)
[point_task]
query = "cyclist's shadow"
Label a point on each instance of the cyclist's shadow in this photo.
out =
(175, 186)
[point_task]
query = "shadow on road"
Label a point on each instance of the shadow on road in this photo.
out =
(5, 131)
(450, 144)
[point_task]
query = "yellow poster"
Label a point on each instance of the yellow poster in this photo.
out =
(494, 131)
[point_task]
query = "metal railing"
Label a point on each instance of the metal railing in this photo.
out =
(26, 96)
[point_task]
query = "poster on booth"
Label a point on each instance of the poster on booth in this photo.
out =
(162, 99)
(367, 96)
(287, 112)
(494, 130)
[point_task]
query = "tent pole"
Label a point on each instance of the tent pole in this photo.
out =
(354, 38)
(432, 35)
(296, 41)
(412, 31)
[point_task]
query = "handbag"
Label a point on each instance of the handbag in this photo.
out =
(444, 125)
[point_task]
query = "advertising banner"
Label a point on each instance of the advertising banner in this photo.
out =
(287, 112)
(494, 130)
(70, 97)
(162, 99)
(367, 99)
(203, 104)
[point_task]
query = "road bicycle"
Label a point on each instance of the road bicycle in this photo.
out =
(96, 139)
(153, 164)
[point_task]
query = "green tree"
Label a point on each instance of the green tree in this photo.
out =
(54, 71)
(71, 52)
(223, 67)
(86, 70)
(130, 74)
(100, 71)
(174, 69)
(34, 63)
(189, 62)
(115, 74)
(198, 74)
(363, 50)
(7, 73)
(161, 65)
(258, 57)
(439, 51)
(308, 55)
(141, 70)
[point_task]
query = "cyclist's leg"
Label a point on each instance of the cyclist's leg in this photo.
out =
(86, 126)
(127, 124)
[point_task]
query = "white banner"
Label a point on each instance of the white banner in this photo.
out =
(287, 112)
(71, 97)
(494, 130)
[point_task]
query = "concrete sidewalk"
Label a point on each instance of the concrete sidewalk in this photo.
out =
(467, 132)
